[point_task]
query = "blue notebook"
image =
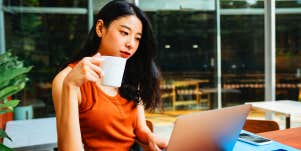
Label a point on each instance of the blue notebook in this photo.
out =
(273, 146)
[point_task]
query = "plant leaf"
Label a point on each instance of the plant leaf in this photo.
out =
(4, 148)
(5, 58)
(3, 134)
(8, 91)
(7, 75)
(15, 81)
(11, 103)
(5, 111)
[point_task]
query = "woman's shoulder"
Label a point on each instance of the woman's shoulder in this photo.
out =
(57, 83)
(59, 78)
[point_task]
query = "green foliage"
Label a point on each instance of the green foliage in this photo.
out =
(4, 148)
(13, 75)
(12, 80)
(8, 106)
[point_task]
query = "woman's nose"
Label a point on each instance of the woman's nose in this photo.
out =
(130, 43)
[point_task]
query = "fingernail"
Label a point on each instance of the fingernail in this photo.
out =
(97, 55)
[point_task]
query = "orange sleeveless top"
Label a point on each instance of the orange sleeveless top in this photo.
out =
(107, 123)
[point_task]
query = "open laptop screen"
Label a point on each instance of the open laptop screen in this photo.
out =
(212, 130)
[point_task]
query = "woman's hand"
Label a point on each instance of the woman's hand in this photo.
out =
(156, 143)
(87, 69)
(145, 135)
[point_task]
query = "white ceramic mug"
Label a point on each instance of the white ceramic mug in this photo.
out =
(113, 69)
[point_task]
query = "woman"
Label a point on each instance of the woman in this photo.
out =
(103, 117)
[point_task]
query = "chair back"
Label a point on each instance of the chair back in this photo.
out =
(150, 125)
(260, 126)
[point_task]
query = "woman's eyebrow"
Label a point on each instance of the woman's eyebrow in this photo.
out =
(125, 26)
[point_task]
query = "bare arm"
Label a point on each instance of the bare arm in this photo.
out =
(142, 131)
(66, 107)
(145, 135)
(66, 98)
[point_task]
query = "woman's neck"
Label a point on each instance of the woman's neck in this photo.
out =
(110, 91)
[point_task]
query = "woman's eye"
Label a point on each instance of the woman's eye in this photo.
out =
(124, 33)
(138, 38)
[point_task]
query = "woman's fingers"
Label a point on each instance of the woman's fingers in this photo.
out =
(97, 55)
(92, 64)
(162, 143)
(155, 148)
(96, 60)
(95, 66)
(88, 69)
(92, 76)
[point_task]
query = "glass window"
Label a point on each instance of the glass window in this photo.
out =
(46, 3)
(242, 45)
(185, 34)
(288, 50)
(243, 57)
(45, 41)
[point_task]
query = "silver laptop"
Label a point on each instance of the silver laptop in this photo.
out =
(214, 130)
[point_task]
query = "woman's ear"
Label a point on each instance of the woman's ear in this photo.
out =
(99, 28)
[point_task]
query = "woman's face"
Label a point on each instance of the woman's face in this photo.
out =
(121, 38)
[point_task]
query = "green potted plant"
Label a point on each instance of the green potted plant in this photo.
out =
(12, 80)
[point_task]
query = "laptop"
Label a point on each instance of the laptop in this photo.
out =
(213, 130)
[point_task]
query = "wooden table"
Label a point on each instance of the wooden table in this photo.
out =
(290, 137)
(185, 87)
(286, 107)
(211, 92)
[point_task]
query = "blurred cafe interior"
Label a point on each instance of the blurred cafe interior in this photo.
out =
(212, 53)
(186, 33)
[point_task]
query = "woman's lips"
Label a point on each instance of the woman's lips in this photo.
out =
(125, 54)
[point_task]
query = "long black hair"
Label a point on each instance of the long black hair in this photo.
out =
(141, 70)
